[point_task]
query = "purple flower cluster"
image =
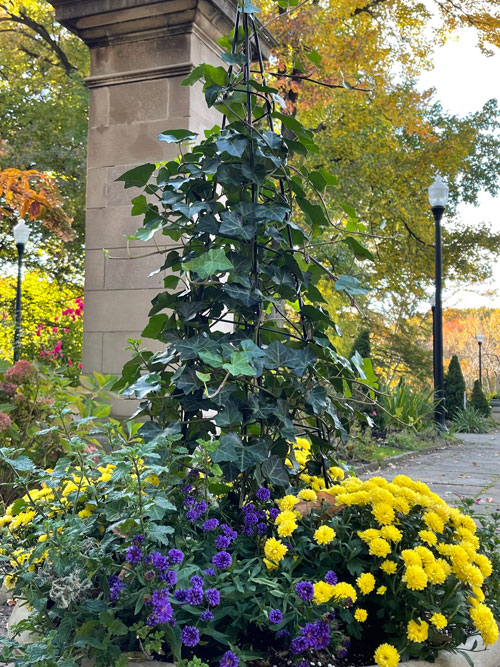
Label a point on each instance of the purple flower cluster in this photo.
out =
(222, 560)
(229, 659)
(162, 609)
(331, 578)
(253, 519)
(116, 586)
(315, 636)
(305, 590)
(263, 494)
(197, 510)
(210, 524)
(190, 635)
(134, 555)
(275, 616)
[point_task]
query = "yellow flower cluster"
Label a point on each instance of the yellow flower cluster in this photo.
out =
(448, 545)
(386, 656)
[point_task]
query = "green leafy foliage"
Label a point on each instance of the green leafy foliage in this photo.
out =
(454, 387)
(470, 420)
(408, 405)
(230, 371)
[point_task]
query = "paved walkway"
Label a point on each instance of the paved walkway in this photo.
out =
(471, 468)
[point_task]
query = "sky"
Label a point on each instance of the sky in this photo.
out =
(464, 80)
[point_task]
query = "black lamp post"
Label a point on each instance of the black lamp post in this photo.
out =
(433, 309)
(438, 198)
(21, 236)
(480, 339)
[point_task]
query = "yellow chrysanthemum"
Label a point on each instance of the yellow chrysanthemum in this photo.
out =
(361, 615)
(417, 631)
(368, 535)
(484, 621)
(343, 590)
(439, 621)
(274, 550)
(386, 656)
(484, 564)
(428, 536)
(287, 515)
(381, 590)
(415, 578)
(324, 535)
(379, 547)
(307, 494)
(336, 473)
(286, 528)
(411, 557)
(270, 565)
(287, 502)
(366, 582)
(391, 533)
(383, 513)
(434, 522)
(323, 592)
(425, 554)
(437, 572)
(388, 566)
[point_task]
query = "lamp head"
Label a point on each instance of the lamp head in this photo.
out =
(21, 233)
(479, 338)
(438, 193)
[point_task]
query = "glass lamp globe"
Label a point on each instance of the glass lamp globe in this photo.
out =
(438, 193)
(479, 338)
(21, 233)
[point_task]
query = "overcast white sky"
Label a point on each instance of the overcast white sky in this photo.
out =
(464, 80)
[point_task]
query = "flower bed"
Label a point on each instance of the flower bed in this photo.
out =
(122, 553)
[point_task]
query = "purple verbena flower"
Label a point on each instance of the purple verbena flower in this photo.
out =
(116, 586)
(261, 528)
(192, 515)
(194, 596)
(248, 508)
(229, 659)
(170, 577)
(187, 488)
(262, 514)
(222, 560)
(196, 581)
(201, 507)
(207, 615)
(275, 616)
(210, 524)
(176, 556)
(305, 590)
(138, 540)
(190, 635)
(331, 577)
(273, 513)
(250, 519)
(299, 645)
(283, 635)
(180, 594)
(228, 531)
(263, 494)
(189, 501)
(222, 542)
(247, 530)
(212, 596)
(209, 572)
(134, 555)
(317, 635)
(162, 609)
(159, 562)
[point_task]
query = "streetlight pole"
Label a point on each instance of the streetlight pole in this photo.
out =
(433, 308)
(438, 198)
(480, 339)
(21, 236)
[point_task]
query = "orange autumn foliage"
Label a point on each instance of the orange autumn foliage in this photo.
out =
(34, 194)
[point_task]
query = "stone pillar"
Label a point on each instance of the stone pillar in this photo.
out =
(140, 52)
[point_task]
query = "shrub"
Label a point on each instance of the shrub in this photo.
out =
(37, 415)
(478, 400)
(470, 420)
(407, 406)
(362, 345)
(454, 387)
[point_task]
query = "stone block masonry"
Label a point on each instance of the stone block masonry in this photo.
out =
(140, 52)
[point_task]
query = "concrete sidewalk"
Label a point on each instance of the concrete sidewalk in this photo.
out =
(471, 468)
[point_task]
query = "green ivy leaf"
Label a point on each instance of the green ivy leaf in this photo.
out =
(138, 176)
(176, 136)
(351, 285)
(360, 252)
(239, 365)
(213, 261)
(275, 471)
